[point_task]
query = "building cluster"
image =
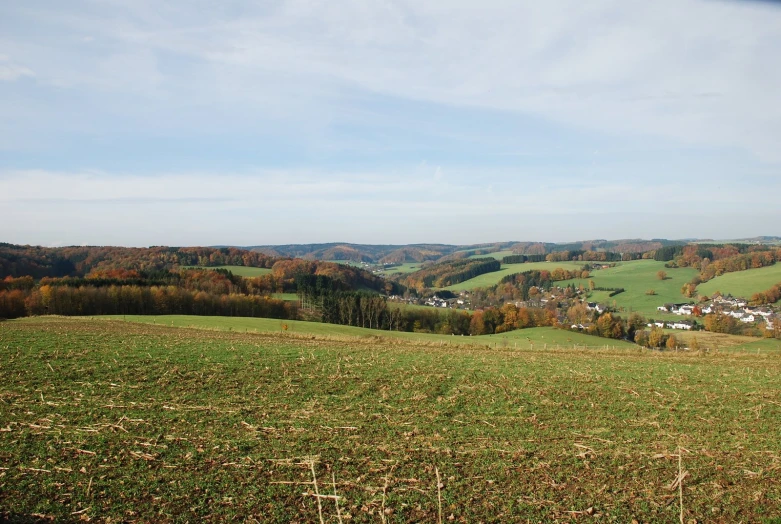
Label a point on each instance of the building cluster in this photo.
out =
(460, 302)
(736, 308)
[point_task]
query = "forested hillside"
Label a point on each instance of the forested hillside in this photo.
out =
(40, 262)
(158, 280)
(449, 273)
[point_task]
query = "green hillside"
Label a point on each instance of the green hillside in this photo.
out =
(743, 283)
(637, 277)
(493, 278)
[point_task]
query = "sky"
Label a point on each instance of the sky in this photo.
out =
(195, 122)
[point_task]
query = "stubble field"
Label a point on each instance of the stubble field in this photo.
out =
(111, 421)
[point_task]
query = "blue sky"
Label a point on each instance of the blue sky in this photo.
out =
(236, 122)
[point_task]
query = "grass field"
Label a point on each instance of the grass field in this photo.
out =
(723, 341)
(525, 338)
(637, 277)
(743, 283)
(120, 422)
(490, 279)
(290, 297)
(242, 271)
(403, 268)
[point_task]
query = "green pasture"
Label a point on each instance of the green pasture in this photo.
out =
(289, 297)
(112, 421)
(637, 277)
(403, 268)
(242, 271)
(491, 279)
(743, 283)
(524, 338)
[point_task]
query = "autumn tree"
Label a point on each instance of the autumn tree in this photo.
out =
(656, 337)
(477, 325)
(578, 313)
(661, 275)
(635, 323)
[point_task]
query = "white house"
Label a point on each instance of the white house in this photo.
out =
(681, 325)
(747, 318)
(684, 310)
(593, 306)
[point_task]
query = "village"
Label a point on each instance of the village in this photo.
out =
(736, 308)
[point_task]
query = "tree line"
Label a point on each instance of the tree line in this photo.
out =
(39, 262)
(137, 300)
(521, 259)
(450, 273)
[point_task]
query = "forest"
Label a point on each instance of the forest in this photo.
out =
(449, 273)
(158, 280)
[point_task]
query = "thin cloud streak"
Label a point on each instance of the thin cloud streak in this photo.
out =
(319, 206)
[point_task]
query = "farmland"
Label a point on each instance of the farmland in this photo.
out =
(409, 267)
(725, 342)
(242, 271)
(526, 338)
(493, 278)
(743, 283)
(637, 277)
(118, 421)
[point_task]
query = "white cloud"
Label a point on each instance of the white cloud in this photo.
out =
(10, 71)
(693, 71)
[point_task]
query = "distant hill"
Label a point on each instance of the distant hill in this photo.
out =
(385, 254)
(762, 240)
(399, 254)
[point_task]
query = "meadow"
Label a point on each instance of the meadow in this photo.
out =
(118, 421)
(289, 297)
(637, 277)
(493, 278)
(242, 271)
(409, 267)
(743, 283)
